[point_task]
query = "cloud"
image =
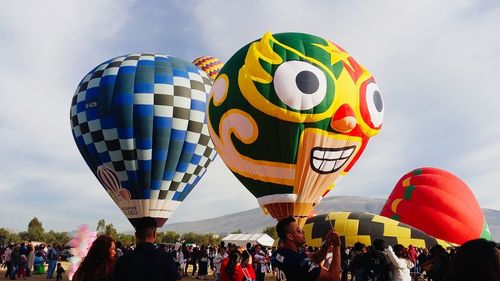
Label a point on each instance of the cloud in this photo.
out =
(435, 63)
(433, 67)
(49, 46)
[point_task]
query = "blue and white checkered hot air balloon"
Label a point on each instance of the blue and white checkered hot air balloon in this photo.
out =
(139, 123)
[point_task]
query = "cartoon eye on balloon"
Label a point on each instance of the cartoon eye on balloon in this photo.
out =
(300, 85)
(139, 122)
(290, 114)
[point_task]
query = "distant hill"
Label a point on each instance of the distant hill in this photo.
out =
(493, 219)
(254, 220)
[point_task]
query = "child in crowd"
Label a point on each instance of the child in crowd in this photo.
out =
(21, 273)
(38, 266)
(60, 271)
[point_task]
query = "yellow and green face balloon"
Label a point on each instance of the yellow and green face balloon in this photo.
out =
(290, 114)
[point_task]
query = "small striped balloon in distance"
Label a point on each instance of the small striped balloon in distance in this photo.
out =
(364, 228)
(211, 65)
(138, 121)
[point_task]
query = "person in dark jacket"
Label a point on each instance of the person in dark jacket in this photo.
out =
(291, 264)
(145, 262)
(374, 263)
(15, 258)
(440, 261)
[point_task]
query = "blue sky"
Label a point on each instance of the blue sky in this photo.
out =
(436, 63)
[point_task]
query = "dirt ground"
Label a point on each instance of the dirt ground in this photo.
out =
(65, 265)
(269, 276)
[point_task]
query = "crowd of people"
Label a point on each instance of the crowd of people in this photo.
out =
(108, 260)
(22, 260)
(204, 257)
(383, 262)
(477, 259)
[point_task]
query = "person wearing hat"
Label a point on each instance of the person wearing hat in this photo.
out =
(145, 262)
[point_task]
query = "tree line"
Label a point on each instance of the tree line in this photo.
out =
(36, 232)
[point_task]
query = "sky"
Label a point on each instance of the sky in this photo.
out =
(435, 62)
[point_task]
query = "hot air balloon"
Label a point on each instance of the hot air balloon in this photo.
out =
(364, 228)
(290, 114)
(211, 65)
(438, 203)
(139, 122)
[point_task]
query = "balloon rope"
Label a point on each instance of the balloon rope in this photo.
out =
(280, 206)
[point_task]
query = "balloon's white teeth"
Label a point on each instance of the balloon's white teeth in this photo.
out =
(340, 163)
(328, 165)
(332, 155)
(326, 160)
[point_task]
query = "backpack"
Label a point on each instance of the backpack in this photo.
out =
(377, 267)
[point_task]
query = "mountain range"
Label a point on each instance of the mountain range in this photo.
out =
(254, 220)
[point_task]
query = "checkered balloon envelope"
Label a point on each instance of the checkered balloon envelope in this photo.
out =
(365, 228)
(139, 122)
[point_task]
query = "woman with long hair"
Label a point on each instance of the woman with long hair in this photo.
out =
(99, 262)
(233, 269)
(401, 263)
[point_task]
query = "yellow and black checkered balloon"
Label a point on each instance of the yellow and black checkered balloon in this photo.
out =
(365, 227)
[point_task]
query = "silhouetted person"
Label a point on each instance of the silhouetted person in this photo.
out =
(477, 259)
(145, 262)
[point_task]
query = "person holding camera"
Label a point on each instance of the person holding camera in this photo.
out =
(290, 264)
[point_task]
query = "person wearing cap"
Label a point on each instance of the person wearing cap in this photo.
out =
(290, 264)
(145, 262)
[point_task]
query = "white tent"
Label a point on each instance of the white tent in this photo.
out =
(242, 239)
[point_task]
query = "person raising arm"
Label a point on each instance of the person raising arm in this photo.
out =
(290, 265)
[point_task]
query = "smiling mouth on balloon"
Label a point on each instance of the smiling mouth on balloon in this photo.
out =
(330, 160)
